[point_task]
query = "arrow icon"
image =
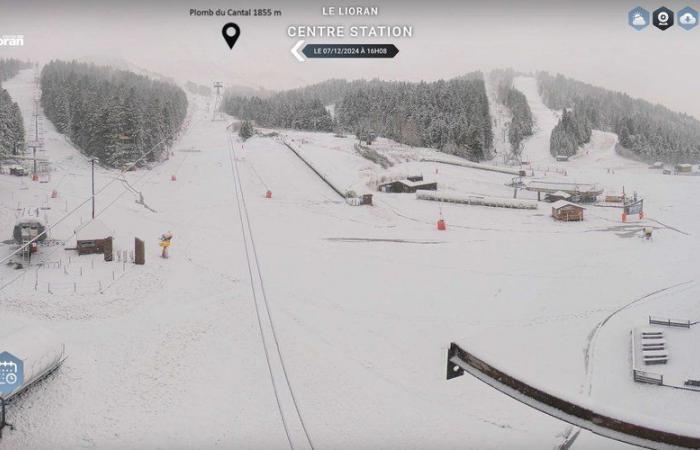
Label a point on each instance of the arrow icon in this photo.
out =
(295, 51)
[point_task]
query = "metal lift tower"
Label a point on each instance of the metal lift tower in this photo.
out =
(217, 114)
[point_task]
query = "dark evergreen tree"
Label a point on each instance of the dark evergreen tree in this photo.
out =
(11, 122)
(117, 116)
(246, 131)
(448, 115)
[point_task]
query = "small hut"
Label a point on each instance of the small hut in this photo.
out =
(684, 168)
(91, 238)
(567, 211)
(562, 158)
(407, 185)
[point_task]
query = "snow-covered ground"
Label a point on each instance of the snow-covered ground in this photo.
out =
(365, 299)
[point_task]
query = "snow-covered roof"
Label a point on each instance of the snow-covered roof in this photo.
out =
(408, 182)
(95, 229)
(562, 203)
(29, 219)
(561, 194)
(567, 186)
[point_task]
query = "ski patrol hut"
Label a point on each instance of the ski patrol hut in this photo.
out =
(567, 211)
(410, 184)
(91, 238)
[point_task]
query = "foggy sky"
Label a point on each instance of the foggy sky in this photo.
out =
(587, 40)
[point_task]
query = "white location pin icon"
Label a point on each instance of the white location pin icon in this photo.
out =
(231, 31)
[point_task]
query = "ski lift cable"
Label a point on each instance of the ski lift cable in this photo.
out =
(74, 210)
(98, 214)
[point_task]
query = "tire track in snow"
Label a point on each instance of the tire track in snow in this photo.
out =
(290, 412)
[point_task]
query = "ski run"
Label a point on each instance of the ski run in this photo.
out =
(295, 320)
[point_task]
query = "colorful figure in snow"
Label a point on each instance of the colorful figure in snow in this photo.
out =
(165, 243)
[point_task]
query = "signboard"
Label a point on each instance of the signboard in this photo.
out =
(634, 207)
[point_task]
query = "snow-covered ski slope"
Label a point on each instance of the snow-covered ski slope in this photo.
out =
(365, 300)
(536, 147)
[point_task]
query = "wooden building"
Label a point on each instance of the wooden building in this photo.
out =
(92, 238)
(408, 185)
(567, 211)
(684, 168)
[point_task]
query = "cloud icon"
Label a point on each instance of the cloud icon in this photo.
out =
(688, 19)
(639, 21)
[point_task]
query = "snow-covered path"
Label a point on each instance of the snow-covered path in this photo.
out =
(536, 147)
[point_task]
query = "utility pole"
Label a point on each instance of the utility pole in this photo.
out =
(93, 186)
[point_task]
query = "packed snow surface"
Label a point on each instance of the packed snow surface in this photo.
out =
(365, 300)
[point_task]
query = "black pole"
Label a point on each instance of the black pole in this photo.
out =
(93, 187)
(34, 159)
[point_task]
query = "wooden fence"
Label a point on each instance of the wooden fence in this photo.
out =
(669, 322)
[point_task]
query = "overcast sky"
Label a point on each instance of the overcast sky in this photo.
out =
(587, 40)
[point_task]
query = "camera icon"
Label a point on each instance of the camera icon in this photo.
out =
(662, 18)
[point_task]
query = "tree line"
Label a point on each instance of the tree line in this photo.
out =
(521, 125)
(114, 115)
(451, 116)
(652, 132)
(11, 122)
(197, 89)
(290, 109)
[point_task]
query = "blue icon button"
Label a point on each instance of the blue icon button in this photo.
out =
(687, 18)
(638, 18)
(11, 373)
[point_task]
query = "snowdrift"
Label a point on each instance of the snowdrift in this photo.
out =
(39, 349)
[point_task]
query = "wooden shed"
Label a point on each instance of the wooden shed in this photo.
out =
(567, 211)
(408, 186)
(91, 238)
(684, 168)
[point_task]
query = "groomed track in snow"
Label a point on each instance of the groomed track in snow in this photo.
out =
(290, 414)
